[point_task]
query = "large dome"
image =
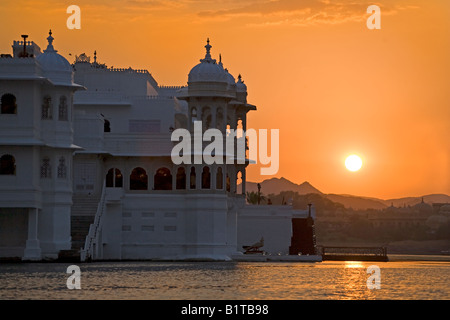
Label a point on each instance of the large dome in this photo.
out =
(208, 70)
(54, 65)
(230, 78)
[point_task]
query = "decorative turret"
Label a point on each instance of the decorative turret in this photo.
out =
(54, 65)
(241, 90)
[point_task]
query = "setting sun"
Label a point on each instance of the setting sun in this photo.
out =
(353, 162)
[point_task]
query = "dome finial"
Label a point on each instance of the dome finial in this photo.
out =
(50, 42)
(208, 50)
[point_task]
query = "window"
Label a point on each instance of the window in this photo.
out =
(62, 110)
(219, 179)
(170, 215)
(148, 214)
(181, 178)
(107, 126)
(228, 183)
(114, 178)
(163, 179)
(239, 182)
(47, 108)
(138, 179)
(46, 169)
(9, 105)
(192, 182)
(170, 228)
(62, 169)
(7, 165)
(206, 178)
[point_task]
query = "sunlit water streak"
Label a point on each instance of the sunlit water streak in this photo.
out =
(227, 280)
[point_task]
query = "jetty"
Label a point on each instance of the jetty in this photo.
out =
(354, 253)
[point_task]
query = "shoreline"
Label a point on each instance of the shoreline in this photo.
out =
(398, 257)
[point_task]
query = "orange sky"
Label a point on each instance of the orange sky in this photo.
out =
(314, 70)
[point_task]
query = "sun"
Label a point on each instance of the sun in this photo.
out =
(353, 162)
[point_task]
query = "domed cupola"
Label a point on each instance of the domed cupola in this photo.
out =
(230, 79)
(54, 65)
(208, 70)
(240, 85)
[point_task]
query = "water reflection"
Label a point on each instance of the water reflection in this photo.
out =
(227, 280)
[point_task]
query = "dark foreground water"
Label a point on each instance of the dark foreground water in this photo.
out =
(227, 280)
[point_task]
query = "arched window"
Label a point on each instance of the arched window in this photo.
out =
(239, 182)
(219, 179)
(228, 183)
(114, 178)
(7, 165)
(181, 179)
(9, 105)
(192, 180)
(62, 110)
(47, 108)
(163, 179)
(206, 178)
(206, 118)
(62, 169)
(107, 126)
(138, 179)
(239, 129)
(46, 168)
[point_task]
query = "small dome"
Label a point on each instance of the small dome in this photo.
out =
(240, 85)
(423, 207)
(54, 65)
(207, 70)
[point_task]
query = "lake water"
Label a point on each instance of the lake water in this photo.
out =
(227, 280)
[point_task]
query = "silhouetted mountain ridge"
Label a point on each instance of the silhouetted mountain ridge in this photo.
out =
(277, 185)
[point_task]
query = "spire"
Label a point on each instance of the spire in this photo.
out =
(50, 43)
(95, 56)
(208, 53)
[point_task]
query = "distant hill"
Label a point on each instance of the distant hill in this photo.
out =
(357, 203)
(410, 201)
(277, 185)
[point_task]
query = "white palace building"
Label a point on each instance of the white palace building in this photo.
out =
(85, 163)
